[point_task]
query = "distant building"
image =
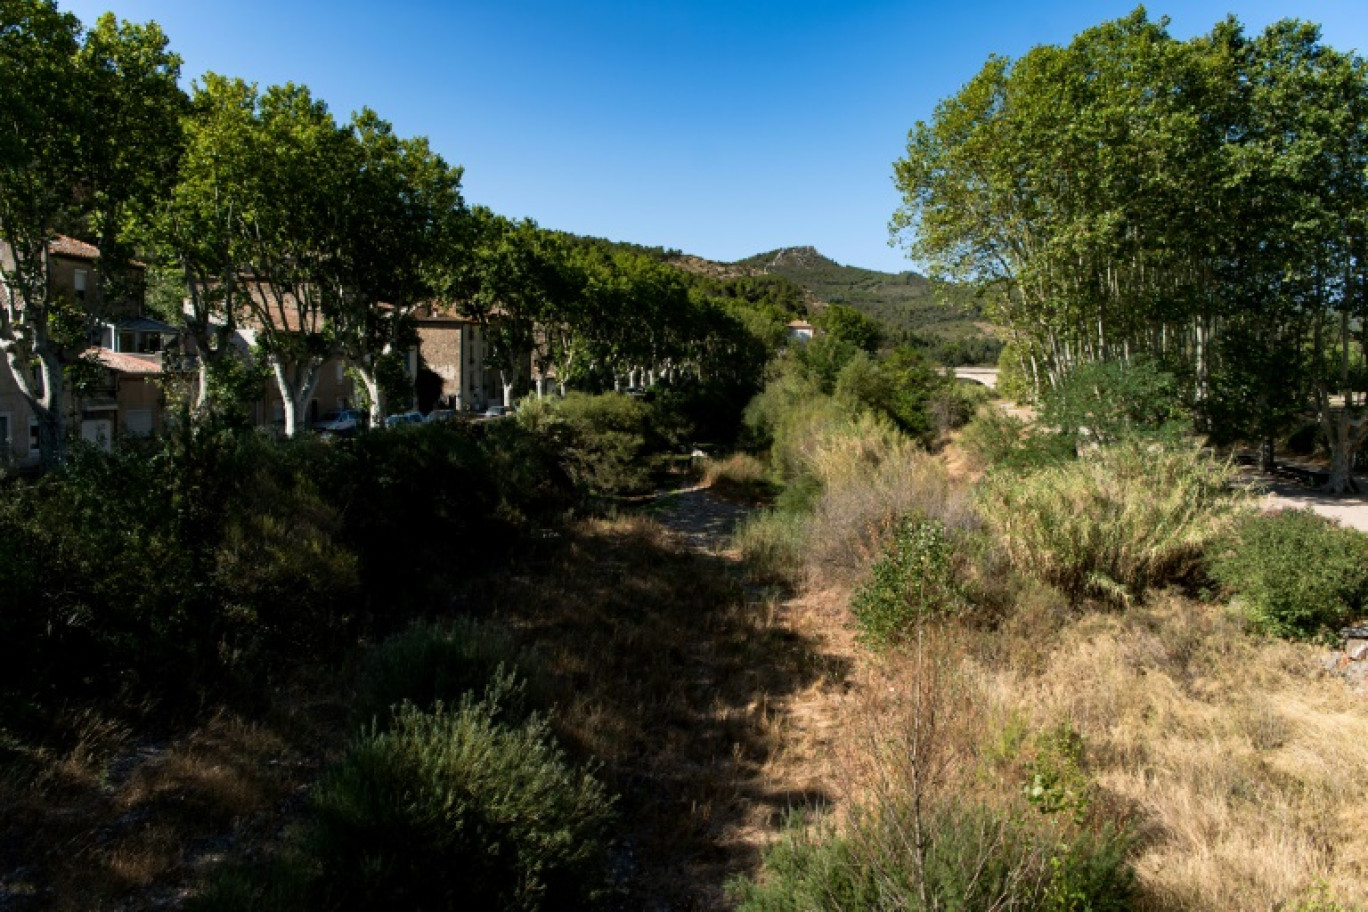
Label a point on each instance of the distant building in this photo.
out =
(125, 397)
(800, 331)
(452, 374)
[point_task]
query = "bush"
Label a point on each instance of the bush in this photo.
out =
(1295, 573)
(1128, 518)
(916, 577)
(1104, 401)
(973, 857)
(604, 441)
(994, 438)
(438, 663)
(454, 810)
(738, 477)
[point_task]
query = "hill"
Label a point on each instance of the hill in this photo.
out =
(943, 318)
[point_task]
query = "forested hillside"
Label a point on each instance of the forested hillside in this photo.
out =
(941, 317)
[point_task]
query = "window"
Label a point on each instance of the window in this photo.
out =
(341, 371)
(33, 435)
(6, 442)
(79, 282)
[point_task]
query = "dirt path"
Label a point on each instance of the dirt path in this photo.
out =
(803, 724)
(1349, 509)
(703, 521)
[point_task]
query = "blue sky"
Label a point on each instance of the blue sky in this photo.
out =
(721, 128)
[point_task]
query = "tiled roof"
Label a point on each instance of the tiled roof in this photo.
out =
(125, 363)
(440, 313)
(799, 324)
(70, 247)
(61, 245)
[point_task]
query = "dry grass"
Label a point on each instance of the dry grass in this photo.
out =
(1236, 760)
(1239, 761)
(870, 476)
(740, 477)
(681, 682)
(116, 823)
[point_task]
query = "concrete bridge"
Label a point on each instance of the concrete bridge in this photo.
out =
(985, 375)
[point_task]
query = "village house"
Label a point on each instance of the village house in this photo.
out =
(800, 331)
(125, 397)
(449, 366)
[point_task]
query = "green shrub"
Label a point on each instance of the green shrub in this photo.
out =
(1129, 517)
(955, 403)
(1296, 573)
(1103, 401)
(973, 857)
(771, 544)
(915, 578)
(604, 441)
(994, 438)
(452, 809)
(437, 663)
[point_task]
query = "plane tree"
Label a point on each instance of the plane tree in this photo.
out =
(84, 157)
(406, 214)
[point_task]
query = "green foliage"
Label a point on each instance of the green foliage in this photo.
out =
(822, 359)
(1212, 183)
(194, 563)
(454, 808)
(1128, 518)
(1295, 573)
(935, 316)
(603, 441)
(1014, 383)
(915, 578)
(974, 857)
(1057, 782)
(1102, 402)
(849, 325)
(429, 664)
(995, 438)
(902, 387)
(458, 807)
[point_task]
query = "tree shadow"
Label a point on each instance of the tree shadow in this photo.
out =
(1281, 492)
(675, 679)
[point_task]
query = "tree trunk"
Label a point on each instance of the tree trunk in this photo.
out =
(295, 392)
(1344, 435)
(376, 396)
(202, 387)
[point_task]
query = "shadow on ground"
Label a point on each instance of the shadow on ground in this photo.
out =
(678, 682)
(1279, 492)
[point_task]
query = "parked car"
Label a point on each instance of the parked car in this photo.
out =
(342, 423)
(498, 411)
(399, 420)
(437, 415)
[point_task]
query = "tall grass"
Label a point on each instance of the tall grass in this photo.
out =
(1122, 520)
(864, 476)
(1236, 754)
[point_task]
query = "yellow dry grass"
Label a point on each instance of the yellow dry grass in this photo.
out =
(1239, 759)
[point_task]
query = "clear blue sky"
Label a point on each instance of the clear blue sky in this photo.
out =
(721, 128)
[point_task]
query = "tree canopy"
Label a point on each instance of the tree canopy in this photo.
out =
(1197, 202)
